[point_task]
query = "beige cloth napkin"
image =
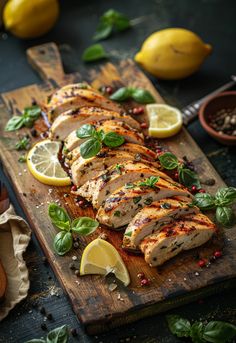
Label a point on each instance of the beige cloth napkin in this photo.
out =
(14, 239)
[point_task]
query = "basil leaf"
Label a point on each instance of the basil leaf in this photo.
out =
(168, 161)
(23, 144)
(219, 332)
(136, 199)
(99, 135)
(103, 31)
(28, 122)
(188, 177)
(33, 112)
(63, 242)
(142, 96)
(179, 326)
(90, 148)
(150, 182)
(197, 332)
(59, 217)
(122, 94)
(84, 226)
(122, 23)
(14, 123)
(225, 216)
(85, 131)
(113, 139)
(58, 335)
(94, 52)
(204, 201)
(225, 196)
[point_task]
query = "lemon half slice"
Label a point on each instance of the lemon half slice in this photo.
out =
(43, 163)
(165, 121)
(100, 257)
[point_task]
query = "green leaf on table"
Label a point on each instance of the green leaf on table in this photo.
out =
(58, 335)
(103, 31)
(122, 94)
(225, 216)
(142, 96)
(113, 139)
(168, 161)
(59, 217)
(197, 332)
(84, 225)
(90, 148)
(204, 201)
(14, 123)
(63, 242)
(188, 177)
(94, 52)
(85, 131)
(219, 332)
(23, 144)
(180, 327)
(225, 196)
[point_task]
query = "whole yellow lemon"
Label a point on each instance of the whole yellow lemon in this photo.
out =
(30, 18)
(172, 53)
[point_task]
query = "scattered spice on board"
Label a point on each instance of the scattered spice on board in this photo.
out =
(224, 121)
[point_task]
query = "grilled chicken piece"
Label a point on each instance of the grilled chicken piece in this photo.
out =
(70, 120)
(151, 219)
(122, 205)
(75, 96)
(184, 234)
(138, 152)
(131, 135)
(115, 177)
(83, 170)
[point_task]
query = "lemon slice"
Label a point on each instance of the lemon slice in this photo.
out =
(43, 163)
(100, 257)
(165, 121)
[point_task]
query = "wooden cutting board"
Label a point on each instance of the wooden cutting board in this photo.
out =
(178, 281)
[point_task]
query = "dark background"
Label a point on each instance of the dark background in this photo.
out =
(214, 21)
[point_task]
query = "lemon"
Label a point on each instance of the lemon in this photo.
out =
(30, 18)
(165, 121)
(172, 53)
(100, 257)
(43, 163)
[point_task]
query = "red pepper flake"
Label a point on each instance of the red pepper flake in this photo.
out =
(217, 254)
(201, 263)
(143, 125)
(144, 282)
(138, 110)
(74, 188)
(201, 190)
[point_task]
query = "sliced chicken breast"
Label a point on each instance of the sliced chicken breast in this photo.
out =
(83, 170)
(97, 189)
(131, 135)
(75, 96)
(184, 234)
(151, 219)
(70, 120)
(122, 205)
(138, 152)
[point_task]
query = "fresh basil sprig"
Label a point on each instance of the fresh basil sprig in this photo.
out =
(186, 176)
(94, 52)
(27, 119)
(95, 140)
(109, 22)
(222, 202)
(23, 143)
(58, 335)
(139, 95)
(63, 241)
(150, 182)
(214, 331)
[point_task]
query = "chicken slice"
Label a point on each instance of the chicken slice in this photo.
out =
(75, 96)
(83, 170)
(70, 120)
(131, 135)
(138, 152)
(122, 205)
(152, 218)
(115, 177)
(186, 233)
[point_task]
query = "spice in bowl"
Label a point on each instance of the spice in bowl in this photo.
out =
(224, 121)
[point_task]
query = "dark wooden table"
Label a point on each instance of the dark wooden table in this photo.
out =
(214, 21)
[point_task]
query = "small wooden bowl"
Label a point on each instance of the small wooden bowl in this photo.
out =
(211, 106)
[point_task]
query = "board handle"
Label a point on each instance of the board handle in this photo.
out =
(46, 60)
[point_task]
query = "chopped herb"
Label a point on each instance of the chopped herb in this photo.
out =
(23, 143)
(136, 199)
(148, 201)
(117, 213)
(22, 159)
(129, 185)
(150, 182)
(129, 233)
(119, 168)
(166, 205)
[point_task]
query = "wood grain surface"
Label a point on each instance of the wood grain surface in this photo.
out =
(178, 281)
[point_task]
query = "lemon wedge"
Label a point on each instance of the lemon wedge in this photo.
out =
(43, 163)
(165, 121)
(100, 257)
